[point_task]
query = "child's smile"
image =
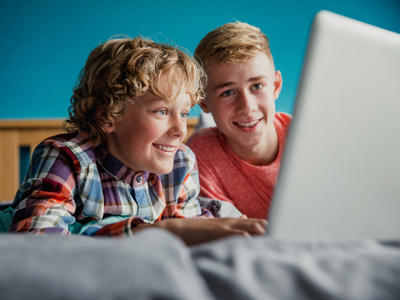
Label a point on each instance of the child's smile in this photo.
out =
(164, 148)
(150, 133)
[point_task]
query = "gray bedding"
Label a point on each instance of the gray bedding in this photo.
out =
(156, 265)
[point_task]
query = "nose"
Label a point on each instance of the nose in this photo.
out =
(177, 127)
(246, 103)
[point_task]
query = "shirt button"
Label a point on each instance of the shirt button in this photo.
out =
(139, 178)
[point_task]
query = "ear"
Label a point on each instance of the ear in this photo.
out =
(110, 128)
(277, 84)
(204, 106)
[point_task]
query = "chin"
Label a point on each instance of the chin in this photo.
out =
(163, 170)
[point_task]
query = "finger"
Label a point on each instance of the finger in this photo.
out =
(233, 232)
(212, 234)
(263, 223)
(251, 226)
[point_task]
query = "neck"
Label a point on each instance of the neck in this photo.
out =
(261, 154)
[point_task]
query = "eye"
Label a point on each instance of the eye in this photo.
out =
(161, 112)
(257, 86)
(227, 93)
(184, 114)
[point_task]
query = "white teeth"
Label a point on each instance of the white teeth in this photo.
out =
(248, 124)
(165, 148)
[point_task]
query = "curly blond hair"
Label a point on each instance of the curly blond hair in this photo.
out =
(232, 43)
(120, 70)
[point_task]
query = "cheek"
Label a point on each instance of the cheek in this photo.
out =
(221, 108)
(150, 133)
(266, 99)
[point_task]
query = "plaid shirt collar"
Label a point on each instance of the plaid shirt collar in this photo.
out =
(118, 169)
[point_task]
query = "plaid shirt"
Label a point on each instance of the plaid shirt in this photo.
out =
(72, 187)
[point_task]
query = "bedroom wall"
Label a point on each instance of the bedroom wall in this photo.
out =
(44, 44)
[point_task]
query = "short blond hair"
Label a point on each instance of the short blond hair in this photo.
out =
(232, 43)
(120, 70)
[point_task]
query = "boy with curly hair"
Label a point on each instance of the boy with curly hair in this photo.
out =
(121, 167)
(239, 159)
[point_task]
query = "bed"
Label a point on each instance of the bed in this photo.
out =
(155, 264)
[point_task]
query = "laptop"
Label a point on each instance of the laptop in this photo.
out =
(340, 173)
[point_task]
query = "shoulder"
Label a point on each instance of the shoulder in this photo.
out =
(283, 118)
(68, 140)
(282, 121)
(203, 137)
(74, 145)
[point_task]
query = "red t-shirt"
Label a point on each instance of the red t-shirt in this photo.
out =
(225, 176)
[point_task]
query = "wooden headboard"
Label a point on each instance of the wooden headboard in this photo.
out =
(29, 133)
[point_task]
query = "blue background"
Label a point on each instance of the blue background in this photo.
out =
(44, 44)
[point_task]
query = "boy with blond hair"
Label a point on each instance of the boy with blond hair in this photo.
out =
(122, 166)
(239, 159)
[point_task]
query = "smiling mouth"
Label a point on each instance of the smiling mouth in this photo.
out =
(250, 124)
(164, 148)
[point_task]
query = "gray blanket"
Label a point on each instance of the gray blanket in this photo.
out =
(156, 265)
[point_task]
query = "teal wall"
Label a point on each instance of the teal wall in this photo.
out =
(44, 44)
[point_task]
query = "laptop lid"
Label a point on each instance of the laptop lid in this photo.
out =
(340, 174)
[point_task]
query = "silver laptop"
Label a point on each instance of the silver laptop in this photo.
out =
(340, 174)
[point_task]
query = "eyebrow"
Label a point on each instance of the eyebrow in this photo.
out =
(230, 83)
(258, 78)
(222, 85)
(157, 99)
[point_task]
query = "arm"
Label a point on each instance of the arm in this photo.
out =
(197, 231)
(47, 200)
(44, 202)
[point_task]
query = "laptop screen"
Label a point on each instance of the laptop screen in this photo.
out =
(340, 172)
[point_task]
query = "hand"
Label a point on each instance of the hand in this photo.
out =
(197, 231)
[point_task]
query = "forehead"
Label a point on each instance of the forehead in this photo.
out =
(150, 98)
(172, 85)
(259, 65)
